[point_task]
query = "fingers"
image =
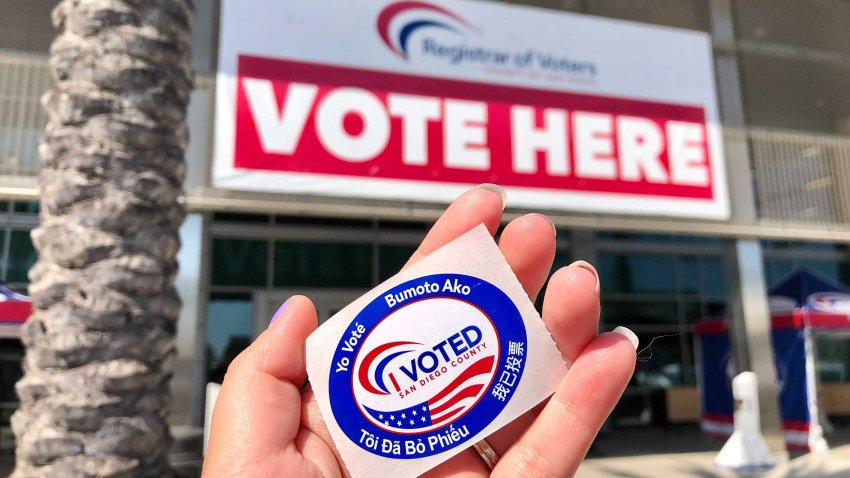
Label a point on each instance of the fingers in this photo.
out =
(571, 308)
(571, 314)
(528, 244)
(466, 464)
(279, 350)
(483, 204)
(559, 439)
(259, 404)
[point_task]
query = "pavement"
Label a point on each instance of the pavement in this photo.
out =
(834, 464)
(685, 453)
(680, 453)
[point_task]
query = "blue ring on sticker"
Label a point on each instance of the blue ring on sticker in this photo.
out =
(472, 393)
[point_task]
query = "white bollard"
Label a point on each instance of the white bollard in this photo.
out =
(746, 447)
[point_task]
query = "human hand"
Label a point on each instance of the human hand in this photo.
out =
(265, 425)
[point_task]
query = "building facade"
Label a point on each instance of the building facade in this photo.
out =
(781, 76)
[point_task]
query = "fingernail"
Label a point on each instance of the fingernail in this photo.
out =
(586, 266)
(554, 231)
(625, 332)
(279, 311)
(495, 188)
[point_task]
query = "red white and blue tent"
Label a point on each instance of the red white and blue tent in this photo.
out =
(803, 305)
(14, 310)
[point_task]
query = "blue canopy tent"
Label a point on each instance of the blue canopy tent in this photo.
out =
(803, 304)
(14, 311)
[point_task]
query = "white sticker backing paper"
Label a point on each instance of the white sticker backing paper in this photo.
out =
(436, 358)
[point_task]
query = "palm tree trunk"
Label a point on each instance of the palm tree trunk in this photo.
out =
(100, 342)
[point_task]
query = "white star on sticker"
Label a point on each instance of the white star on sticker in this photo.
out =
(414, 413)
(403, 416)
(423, 419)
(387, 423)
(398, 423)
(392, 417)
(381, 417)
(411, 422)
(423, 409)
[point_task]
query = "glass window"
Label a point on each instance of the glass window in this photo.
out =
(658, 238)
(26, 207)
(800, 246)
(811, 24)
(715, 309)
(636, 313)
(392, 259)
(661, 365)
(833, 359)
(240, 217)
(635, 237)
(712, 277)
(239, 262)
(229, 329)
(689, 277)
(309, 264)
(417, 227)
(22, 256)
(324, 222)
(637, 273)
(11, 358)
(776, 269)
(658, 368)
(693, 312)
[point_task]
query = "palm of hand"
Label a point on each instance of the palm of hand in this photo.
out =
(264, 425)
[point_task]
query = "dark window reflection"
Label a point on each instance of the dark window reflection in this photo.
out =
(392, 259)
(305, 264)
(639, 313)
(637, 273)
(22, 256)
(229, 331)
(239, 262)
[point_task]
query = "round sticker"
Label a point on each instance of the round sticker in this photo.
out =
(427, 365)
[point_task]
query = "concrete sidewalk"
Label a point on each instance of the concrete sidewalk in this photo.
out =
(677, 453)
(835, 464)
(685, 452)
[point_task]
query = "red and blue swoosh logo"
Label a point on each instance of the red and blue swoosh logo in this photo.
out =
(439, 18)
(377, 385)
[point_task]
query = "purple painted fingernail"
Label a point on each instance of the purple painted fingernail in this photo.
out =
(279, 311)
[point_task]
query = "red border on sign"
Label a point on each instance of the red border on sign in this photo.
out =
(311, 157)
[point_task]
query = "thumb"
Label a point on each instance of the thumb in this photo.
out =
(258, 410)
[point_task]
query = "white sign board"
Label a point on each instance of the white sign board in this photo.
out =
(419, 100)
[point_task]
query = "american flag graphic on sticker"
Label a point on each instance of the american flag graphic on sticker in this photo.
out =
(427, 365)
